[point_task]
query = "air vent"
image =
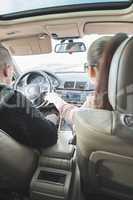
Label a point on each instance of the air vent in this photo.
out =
(69, 85)
(80, 85)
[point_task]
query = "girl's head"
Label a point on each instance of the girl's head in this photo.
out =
(94, 55)
(105, 49)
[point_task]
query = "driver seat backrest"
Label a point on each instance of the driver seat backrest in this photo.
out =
(17, 164)
(105, 138)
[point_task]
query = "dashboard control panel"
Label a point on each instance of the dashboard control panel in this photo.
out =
(72, 96)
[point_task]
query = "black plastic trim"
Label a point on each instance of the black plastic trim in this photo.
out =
(73, 89)
(66, 9)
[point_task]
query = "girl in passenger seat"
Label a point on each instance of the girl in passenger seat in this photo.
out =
(99, 59)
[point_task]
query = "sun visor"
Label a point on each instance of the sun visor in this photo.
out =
(108, 28)
(63, 30)
(29, 46)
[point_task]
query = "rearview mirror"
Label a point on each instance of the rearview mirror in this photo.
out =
(70, 47)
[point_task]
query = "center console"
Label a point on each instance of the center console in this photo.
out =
(57, 176)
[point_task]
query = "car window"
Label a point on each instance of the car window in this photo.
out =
(13, 6)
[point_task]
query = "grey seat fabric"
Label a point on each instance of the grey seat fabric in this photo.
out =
(17, 164)
(105, 138)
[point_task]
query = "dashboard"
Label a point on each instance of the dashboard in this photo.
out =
(73, 87)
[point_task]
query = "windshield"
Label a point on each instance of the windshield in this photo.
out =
(13, 6)
(56, 62)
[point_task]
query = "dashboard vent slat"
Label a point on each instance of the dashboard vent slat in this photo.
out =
(69, 85)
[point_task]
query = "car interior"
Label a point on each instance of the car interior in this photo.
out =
(94, 158)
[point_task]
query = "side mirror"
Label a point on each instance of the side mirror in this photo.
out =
(70, 47)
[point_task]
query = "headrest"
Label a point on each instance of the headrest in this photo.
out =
(121, 78)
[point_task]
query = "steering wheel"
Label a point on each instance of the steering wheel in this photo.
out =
(35, 92)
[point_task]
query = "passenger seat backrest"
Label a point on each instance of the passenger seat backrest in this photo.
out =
(121, 78)
(105, 138)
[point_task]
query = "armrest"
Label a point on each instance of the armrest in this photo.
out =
(59, 150)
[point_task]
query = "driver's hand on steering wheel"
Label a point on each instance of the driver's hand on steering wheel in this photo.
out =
(56, 100)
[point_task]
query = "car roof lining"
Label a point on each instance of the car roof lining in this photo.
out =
(76, 22)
